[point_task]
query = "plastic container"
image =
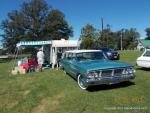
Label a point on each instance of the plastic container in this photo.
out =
(19, 63)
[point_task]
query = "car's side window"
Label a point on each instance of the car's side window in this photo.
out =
(69, 57)
(63, 56)
(73, 56)
(79, 56)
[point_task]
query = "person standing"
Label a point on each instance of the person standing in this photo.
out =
(59, 54)
(40, 58)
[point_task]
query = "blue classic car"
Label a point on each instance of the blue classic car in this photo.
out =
(91, 67)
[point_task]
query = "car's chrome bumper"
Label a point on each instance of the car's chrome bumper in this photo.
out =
(108, 80)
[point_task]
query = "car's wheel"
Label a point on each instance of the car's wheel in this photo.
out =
(81, 83)
(118, 58)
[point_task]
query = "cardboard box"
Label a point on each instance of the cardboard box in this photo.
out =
(18, 69)
(22, 71)
(14, 72)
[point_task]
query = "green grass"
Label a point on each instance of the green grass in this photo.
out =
(51, 91)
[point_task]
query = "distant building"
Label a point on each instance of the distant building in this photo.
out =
(143, 44)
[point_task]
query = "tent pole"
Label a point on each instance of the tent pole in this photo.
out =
(15, 58)
(12, 65)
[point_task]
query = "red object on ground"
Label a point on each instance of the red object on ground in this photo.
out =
(25, 66)
(31, 62)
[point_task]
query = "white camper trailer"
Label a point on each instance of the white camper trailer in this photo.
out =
(51, 48)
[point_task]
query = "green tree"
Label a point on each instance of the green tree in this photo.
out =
(108, 38)
(88, 37)
(57, 26)
(93, 38)
(34, 21)
(129, 38)
(147, 30)
(87, 43)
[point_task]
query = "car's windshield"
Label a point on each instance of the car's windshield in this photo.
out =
(90, 56)
(147, 53)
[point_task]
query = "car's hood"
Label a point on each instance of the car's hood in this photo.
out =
(144, 58)
(102, 64)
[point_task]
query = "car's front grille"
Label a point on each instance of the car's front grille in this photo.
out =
(106, 73)
(118, 72)
(111, 72)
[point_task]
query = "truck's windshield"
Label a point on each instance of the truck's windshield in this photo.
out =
(147, 53)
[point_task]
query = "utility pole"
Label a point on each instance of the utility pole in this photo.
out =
(102, 30)
(121, 38)
(102, 23)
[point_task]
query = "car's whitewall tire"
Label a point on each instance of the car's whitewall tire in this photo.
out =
(81, 83)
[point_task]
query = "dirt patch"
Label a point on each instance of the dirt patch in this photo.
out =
(12, 104)
(49, 104)
(8, 103)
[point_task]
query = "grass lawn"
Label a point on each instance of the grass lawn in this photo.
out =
(51, 91)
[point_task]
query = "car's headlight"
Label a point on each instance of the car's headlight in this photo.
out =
(90, 75)
(129, 71)
(94, 74)
(125, 71)
(133, 70)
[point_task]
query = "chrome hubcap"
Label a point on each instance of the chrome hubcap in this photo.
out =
(81, 83)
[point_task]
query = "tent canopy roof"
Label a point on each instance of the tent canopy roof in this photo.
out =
(54, 43)
(33, 43)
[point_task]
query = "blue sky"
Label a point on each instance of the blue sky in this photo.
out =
(118, 13)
